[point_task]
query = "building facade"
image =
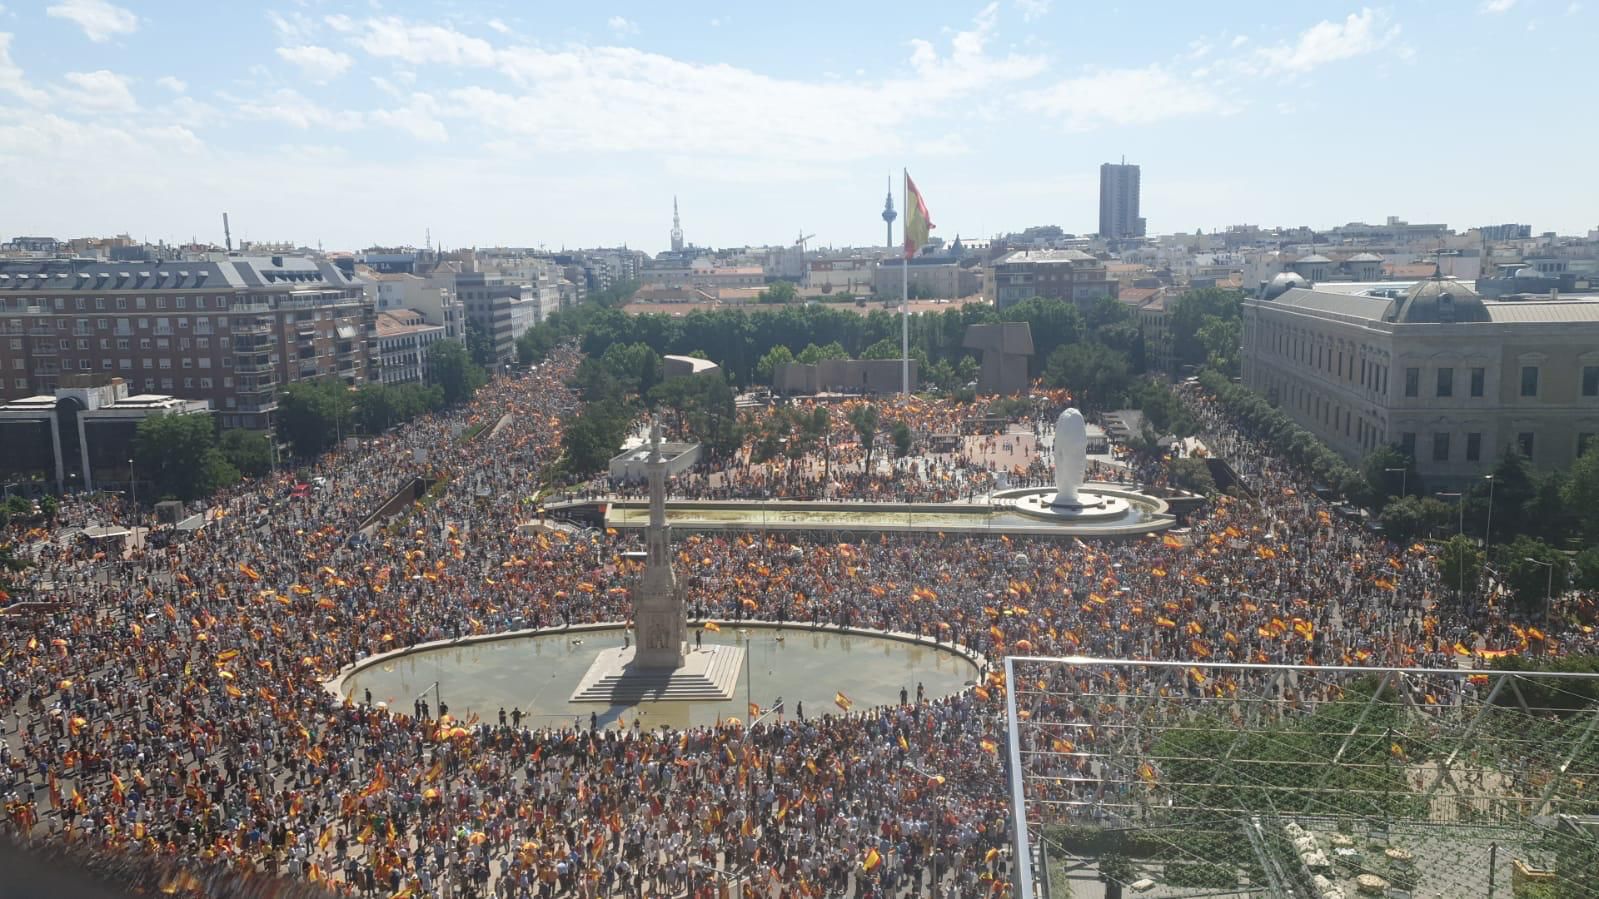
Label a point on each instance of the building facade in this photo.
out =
(400, 292)
(1052, 274)
(1448, 377)
(402, 342)
(938, 278)
(230, 329)
(503, 308)
(1118, 201)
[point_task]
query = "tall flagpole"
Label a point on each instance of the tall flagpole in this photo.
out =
(905, 287)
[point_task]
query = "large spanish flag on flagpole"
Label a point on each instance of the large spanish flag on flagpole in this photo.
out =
(917, 222)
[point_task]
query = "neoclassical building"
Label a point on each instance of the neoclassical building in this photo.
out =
(1431, 367)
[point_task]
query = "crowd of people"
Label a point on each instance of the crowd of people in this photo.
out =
(167, 724)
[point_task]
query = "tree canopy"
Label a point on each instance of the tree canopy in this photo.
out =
(178, 456)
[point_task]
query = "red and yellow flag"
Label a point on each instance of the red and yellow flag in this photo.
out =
(918, 223)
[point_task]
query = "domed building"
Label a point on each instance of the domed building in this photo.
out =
(1431, 367)
(1440, 301)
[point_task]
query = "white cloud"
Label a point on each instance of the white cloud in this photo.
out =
(417, 119)
(1325, 42)
(12, 81)
(587, 98)
(99, 19)
(417, 44)
(1033, 9)
(175, 85)
(318, 64)
(99, 90)
(1495, 7)
(293, 27)
(622, 25)
(1125, 97)
(499, 26)
(290, 107)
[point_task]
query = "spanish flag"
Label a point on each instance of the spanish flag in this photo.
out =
(713, 627)
(918, 222)
(842, 701)
(873, 858)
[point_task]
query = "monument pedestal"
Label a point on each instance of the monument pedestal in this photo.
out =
(708, 674)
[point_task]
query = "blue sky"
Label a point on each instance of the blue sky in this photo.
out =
(353, 123)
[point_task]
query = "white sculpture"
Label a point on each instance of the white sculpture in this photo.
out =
(1071, 454)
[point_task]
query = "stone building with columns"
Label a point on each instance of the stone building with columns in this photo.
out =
(1431, 367)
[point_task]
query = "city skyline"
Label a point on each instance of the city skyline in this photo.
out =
(349, 125)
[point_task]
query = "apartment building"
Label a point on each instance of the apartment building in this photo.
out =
(229, 329)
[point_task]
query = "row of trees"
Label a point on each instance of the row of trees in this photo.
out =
(182, 457)
(1286, 437)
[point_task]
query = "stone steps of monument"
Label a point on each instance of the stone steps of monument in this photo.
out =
(636, 685)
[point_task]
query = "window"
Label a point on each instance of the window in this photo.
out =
(125, 364)
(1446, 382)
(1590, 380)
(1529, 380)
(22, 383)
(205, 361)
(166, 364)
(138, 303)
(1440, 447)
(1407, 443)
(147, 363)
(85, 365)
(1477, 377)
(1412, 382)
(205, 383)
(1524, 443)
(122, 302)
(122, 343)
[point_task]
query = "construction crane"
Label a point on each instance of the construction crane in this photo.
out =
(802, 238)
(227, 235)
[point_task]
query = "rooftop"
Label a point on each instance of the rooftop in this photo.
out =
(1044, 256)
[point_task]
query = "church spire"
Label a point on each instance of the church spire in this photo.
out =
(677, 228)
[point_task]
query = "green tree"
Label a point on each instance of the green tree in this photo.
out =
(1053, 324)
(778, 293)
(11, 564)
(887, 348)
(594, 436)
(312, 414)
(704, 407)
(1581, 492)
(1533, 570)
(634, 365)
(1193, 475)
(479, 344)
(178, 455)
(1460, 565)
(1381, 478)
(901, 433)
(1222, 340)
(1585, 569)
(1191, 312)
(1097, 375)
(248, 451)
(775, 357)
(813, 354)
(866, 420)
(1409, 518)
(450, 369)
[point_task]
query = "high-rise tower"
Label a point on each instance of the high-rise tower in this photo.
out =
(1118, 201)
(889, 214)
(677, 229)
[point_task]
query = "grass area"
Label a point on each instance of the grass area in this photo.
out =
(471, 432)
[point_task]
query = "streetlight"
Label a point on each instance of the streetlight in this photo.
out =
(1404, 478)
(1548, 590)
(1460, 506)
(1488, 533)
(133, 487)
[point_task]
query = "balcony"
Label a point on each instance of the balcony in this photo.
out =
(45, 348)
(254, 368)
(258, 386)
(42, 331)
(256, 330)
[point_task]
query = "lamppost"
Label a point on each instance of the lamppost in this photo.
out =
(1404, 478)
(133, 487)
(1488, 532)
(1548, 590)
(1460, 506)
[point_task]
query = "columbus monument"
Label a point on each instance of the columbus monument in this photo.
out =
(660, 665)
